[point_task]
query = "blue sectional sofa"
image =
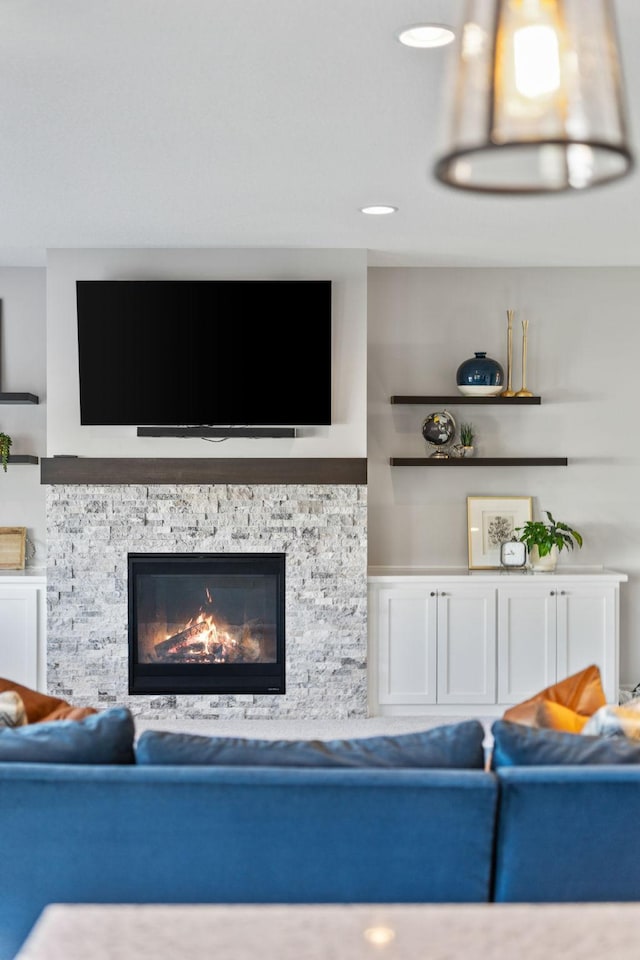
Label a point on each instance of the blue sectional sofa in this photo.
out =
(193, 834)
(125, 832)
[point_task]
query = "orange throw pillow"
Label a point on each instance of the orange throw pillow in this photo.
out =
(66, 712)
(553, 716)
(40, 707)
(581, 692)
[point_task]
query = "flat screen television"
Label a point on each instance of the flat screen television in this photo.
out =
(204, 352)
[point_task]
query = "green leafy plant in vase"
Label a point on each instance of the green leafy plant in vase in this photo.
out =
(5, 446)
(545, 540)
(467, 435)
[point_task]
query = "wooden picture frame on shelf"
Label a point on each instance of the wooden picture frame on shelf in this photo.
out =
(490, 522)
(13, 542)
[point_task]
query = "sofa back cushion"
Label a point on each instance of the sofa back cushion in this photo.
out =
(102, 738)
(453, 746)
(517, 745)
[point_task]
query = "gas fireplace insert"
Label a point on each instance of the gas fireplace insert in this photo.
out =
(206, 623)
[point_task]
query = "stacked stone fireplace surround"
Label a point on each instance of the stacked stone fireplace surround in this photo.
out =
(321, 528)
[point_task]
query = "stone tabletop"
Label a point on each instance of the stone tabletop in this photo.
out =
(327, 932)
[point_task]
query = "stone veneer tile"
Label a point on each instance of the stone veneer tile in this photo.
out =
(323, 531)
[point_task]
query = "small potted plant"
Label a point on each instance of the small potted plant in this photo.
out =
(5, 446)
(545, 540)
(466, 439)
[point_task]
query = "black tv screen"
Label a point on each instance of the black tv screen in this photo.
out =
(204, 352)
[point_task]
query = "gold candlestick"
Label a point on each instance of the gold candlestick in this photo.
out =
(524, 392)
(509, 392)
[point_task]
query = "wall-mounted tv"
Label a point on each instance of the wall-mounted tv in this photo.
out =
(204, 352)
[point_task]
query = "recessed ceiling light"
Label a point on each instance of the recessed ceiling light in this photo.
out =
(426, 35)
(378, 210)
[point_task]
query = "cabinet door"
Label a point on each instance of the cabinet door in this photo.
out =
(466, 644)
(19, 634)
(526, 640)
(587, 633)
(406, 632)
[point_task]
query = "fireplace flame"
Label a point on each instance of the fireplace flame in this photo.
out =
(205, 639)
(216, 641)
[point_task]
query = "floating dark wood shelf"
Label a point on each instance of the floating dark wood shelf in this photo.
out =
(19, 398)
(459, 398)
(478, 461)
(23, 458)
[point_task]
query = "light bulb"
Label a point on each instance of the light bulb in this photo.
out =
(537, 61)
(529, 68)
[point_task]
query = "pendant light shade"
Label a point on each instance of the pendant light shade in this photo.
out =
(538, 103)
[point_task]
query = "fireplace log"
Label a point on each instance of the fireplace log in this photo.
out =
(179, 640)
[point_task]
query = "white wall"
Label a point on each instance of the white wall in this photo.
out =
(584, 361)
(346, 268)
(23, 370)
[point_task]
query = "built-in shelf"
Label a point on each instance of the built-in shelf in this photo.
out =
(19, 398)
(23, 458)
(459, 398)
(478, 461)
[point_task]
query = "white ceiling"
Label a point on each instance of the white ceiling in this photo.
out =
(227, 123)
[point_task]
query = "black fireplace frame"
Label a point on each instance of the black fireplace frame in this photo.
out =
(224, 678)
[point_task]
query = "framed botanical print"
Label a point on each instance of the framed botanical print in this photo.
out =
(490, 522)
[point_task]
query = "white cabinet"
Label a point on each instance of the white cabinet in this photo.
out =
(466, 646)
(435, 645)
(546, 632)
(406, 618)
(527, 645)
(587, 623)
(22, 627)
(451, 642)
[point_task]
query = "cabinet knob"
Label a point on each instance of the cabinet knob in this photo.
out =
(552, 593)
(432, 594)
(443, 594)
(563, 593)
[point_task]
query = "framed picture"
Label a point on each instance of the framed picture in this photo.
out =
(491, 521)
(12, 547)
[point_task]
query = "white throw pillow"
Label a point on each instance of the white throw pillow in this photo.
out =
(12, 711)
(612, 721)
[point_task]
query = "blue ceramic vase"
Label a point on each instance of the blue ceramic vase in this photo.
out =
(480, 375)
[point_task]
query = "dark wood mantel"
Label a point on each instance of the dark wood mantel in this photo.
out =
(111, 470)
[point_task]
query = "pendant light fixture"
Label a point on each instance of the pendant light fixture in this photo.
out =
(538, 103)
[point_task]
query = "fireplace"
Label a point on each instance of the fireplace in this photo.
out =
(206, 623)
